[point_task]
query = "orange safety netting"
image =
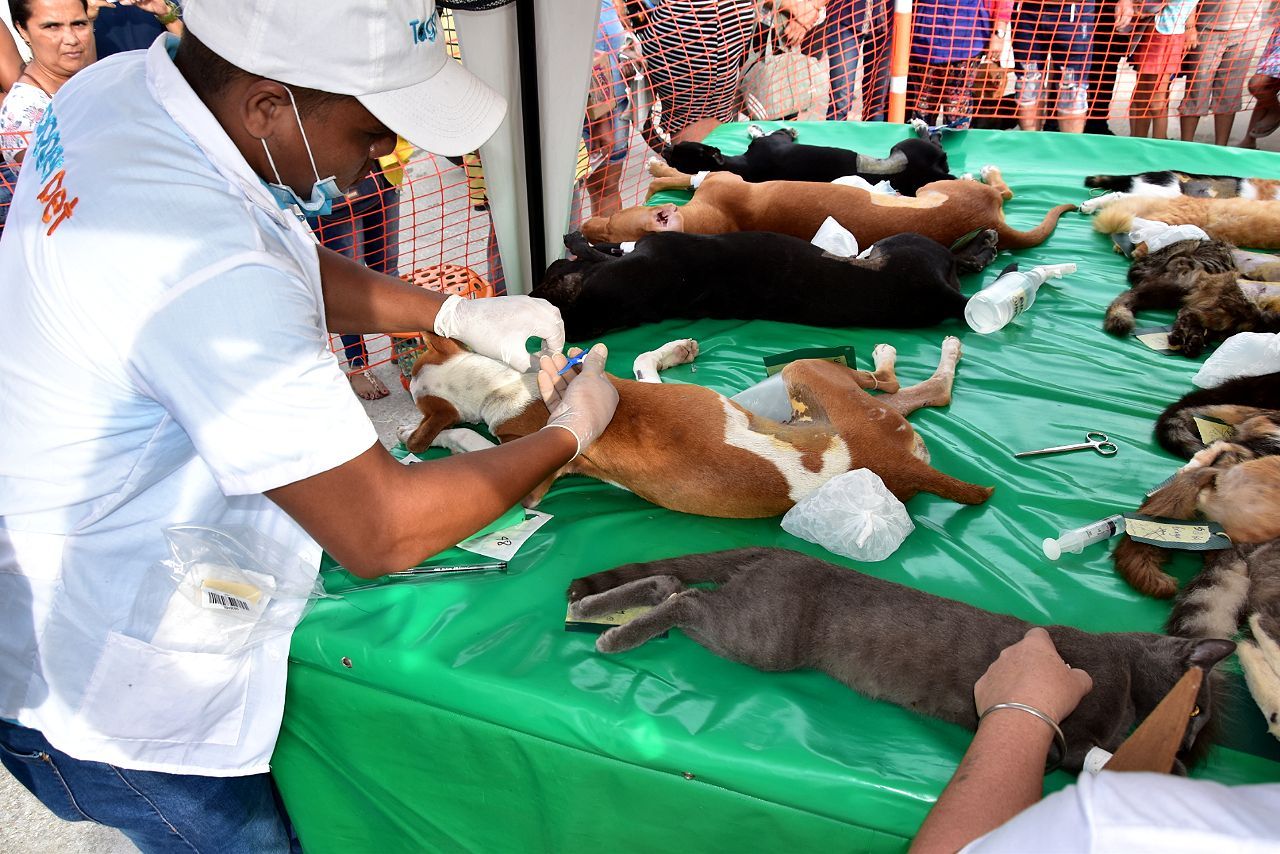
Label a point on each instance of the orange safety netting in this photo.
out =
(670, 70)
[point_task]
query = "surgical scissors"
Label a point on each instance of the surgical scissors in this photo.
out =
(1093, 439)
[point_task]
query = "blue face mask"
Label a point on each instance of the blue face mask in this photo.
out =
(323, 192)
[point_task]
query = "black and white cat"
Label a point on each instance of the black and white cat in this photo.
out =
(1173, 183)
(776, 610)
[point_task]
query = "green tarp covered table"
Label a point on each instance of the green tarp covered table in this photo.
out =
(459, 715)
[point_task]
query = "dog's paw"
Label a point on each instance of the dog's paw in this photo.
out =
(967, 176)
(951, 349)
(404, 432)
(884, 354)
(987, 171)
(920, 126)
(790, 131)
(656, 166)
(755, 131)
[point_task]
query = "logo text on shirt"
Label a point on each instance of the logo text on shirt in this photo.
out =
(46, 151)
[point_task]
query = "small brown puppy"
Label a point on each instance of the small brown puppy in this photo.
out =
(943, 210)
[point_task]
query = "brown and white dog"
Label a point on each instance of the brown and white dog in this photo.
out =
(690, 449)
(942, 210)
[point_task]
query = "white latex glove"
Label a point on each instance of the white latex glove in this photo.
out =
(498, 327)
(582, 400)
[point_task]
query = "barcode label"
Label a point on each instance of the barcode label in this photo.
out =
(225, 601)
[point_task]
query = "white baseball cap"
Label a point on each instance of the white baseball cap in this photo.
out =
(389, 54)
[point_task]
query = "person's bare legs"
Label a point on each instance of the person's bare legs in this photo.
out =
(1029, 117)
(1264, 88)
(1222, 123)
(1072, 124)
(1160, 108)
(602, 187)
(1140, 107)
(1187, 127)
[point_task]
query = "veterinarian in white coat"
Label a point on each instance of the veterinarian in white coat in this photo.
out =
(164, 319)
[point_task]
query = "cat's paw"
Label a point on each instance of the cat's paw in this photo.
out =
(1097, 203)
(1263, 682)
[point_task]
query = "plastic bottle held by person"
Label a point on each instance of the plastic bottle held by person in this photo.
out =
(1012, 293)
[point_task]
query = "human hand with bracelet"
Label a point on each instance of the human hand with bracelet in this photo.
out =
(1021, 700)
(1031, 673)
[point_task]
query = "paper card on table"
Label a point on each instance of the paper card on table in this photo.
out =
(842, 355)
(604, 622)
(1211, 429)
(503, 544)
(1176, 533)
(1155, 337)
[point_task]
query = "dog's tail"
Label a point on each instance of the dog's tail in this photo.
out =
(1142, 564)
(1114, 183)
(922, 477)
(1013, 239)
(714, 567)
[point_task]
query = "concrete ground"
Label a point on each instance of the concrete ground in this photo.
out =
(25, 825)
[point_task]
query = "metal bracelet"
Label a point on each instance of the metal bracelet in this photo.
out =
(1058, 737)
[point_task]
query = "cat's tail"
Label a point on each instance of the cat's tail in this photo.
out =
(714, 567)
(1114, 218)
(1013, 239)
(1142, 564)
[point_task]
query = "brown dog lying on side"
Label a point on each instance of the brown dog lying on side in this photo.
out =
(943, 210)
(687, 448)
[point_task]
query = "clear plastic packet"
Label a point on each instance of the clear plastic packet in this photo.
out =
(222, 590)
(854, 515)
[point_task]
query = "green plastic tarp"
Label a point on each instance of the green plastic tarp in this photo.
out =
(459, 715)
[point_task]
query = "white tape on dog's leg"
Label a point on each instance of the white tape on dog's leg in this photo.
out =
(626, 247)
(460, 440)
(696, 180)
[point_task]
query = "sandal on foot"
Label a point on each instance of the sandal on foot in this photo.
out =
(367, 386)
(1265, 124)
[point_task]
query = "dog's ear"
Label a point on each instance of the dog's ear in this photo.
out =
(442, 348)
(596, 229)
(437, 414)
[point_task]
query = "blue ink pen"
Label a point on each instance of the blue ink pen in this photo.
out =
(576, 360)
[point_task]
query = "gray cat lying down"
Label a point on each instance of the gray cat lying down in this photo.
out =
(781, 610)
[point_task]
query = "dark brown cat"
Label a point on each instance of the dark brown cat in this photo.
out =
(781, 610)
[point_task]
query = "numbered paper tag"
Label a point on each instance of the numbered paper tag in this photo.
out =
(604, 622)
(1155, 337)
(1211, 429)
(503, 544)
(1176, 533)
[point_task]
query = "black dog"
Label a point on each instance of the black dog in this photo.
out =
(905, 281)
(910, 165)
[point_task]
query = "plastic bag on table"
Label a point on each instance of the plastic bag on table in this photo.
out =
(222, 590)
(1245, 354)
(854, 515)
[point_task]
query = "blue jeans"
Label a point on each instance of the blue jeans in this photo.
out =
(158, 812)
(365, 229)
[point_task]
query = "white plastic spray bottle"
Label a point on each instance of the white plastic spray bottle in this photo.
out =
(1012, 293)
